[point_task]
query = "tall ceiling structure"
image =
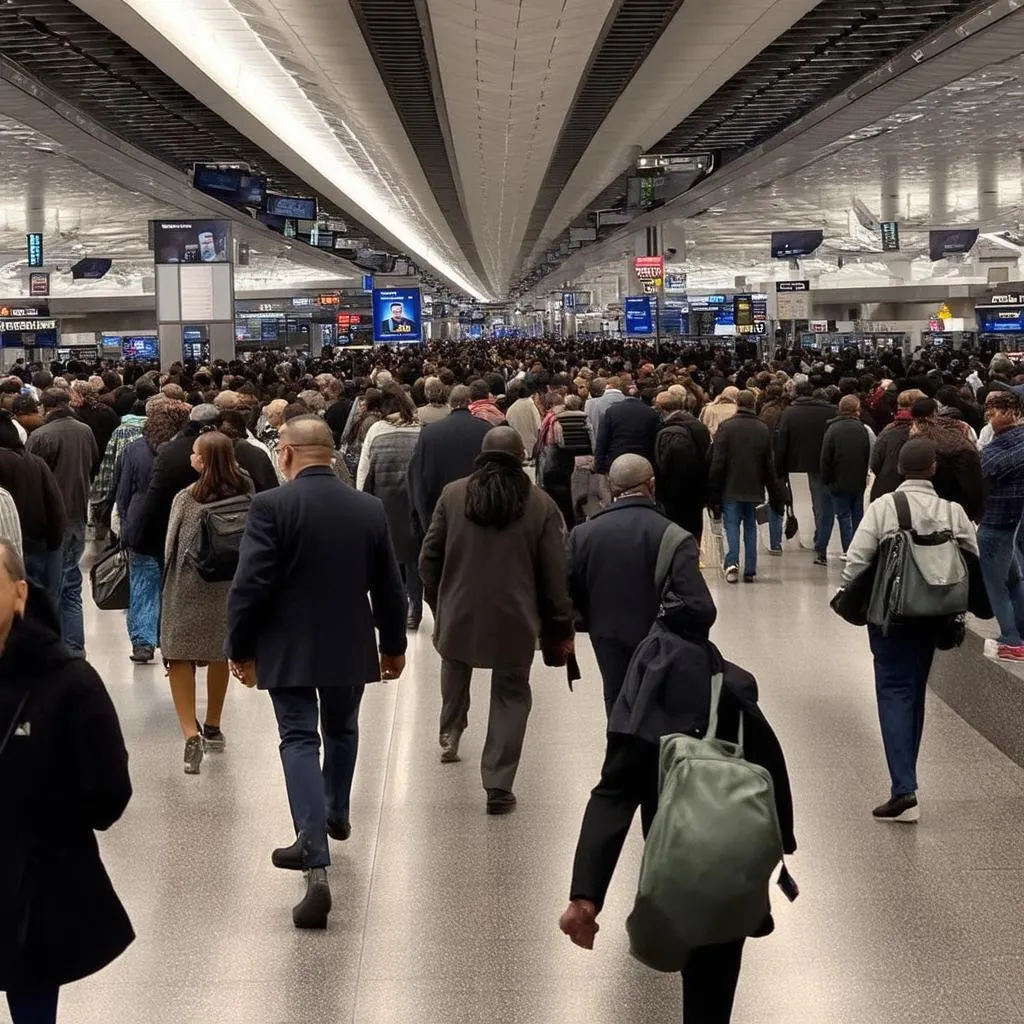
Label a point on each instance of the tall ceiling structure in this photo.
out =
(471, 135)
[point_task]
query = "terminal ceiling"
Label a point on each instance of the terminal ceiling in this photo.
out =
(471, 134)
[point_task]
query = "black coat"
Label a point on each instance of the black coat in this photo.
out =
(311, 554)
(60, 918)
(885, 457)
(800, 434)
(612, 560)
(627, 428)
(101, 419)
(172, 472)
(37, 497)
(742, 465)
(845, 454)
(446, 452)
(681, 464)
(256, 462)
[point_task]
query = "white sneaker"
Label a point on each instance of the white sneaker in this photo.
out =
(991, 649)
(732, 573)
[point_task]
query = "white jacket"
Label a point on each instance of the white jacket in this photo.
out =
(928, 514)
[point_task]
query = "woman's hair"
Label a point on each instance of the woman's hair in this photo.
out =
(9, 436)
(164, 418)
(221, 476)
(498, 490)
(395, 402)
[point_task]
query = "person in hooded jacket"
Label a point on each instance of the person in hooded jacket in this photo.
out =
(667, 691)
(681, 464)
(63, 777)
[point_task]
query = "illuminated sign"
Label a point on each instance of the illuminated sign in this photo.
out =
(396, 315)
(39, 285)
(35, 249)
(7, 324)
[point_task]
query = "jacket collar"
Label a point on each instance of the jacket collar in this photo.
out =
(315, 471)
(749, 413)
(919, 486)
(621, 503)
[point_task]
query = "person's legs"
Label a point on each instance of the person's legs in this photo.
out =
(339, 723)
(774, 530)
(996, 555)
(821, 502)
(748, 514)
(897, 669)
(182, 676)
(842, 505)
(731, 526)
(298, 726)
(924, 655)
(71, 618)
(511, 701)
(413, 589)
(613, 660)
(856, 510)
(38, 1007)
(455, 686)
(44, 569)
(217, 677)
(143, 618)
(709, 983)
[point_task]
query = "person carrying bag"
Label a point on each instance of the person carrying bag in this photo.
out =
(912, 573)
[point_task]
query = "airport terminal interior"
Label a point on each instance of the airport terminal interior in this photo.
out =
(273, 206)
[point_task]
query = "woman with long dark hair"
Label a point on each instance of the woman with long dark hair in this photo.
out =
(193, 630)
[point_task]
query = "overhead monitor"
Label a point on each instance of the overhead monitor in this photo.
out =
(787, 245)
(638, 314)
(142, 347)
(191, 241)
(396, 315)
(296, 207)
(1001, 321)
(91, 269)
(952, 242)
(231, 185)
(890, 236)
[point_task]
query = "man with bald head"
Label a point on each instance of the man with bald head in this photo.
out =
(317, 581)
(613, 562)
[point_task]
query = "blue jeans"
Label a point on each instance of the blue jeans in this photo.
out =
(821, 503)
(38, 1007)
(314, 793)
(849, 510)
(1001, 573)
(44, 570)
(775, 523)
(143, 618)
(72, 623)
(903, 660)
(413, 588)
(734, 513)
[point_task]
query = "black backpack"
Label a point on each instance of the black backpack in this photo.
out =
(214, 552)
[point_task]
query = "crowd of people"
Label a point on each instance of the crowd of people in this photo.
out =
(358, 487)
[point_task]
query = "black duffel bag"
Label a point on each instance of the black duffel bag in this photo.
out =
(109, 577)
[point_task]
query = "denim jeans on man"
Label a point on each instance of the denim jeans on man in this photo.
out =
(72, 623)
(903, 660)
(849, 510)
(1001, 573)
(821, 503)
(143, 619)
(44, 569)
(314, 793)
(775, 524)
(733, 514)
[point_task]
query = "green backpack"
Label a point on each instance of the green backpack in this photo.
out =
(711, 851)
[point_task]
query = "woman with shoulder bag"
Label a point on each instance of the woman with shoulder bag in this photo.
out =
(193, 627)
(903, 647)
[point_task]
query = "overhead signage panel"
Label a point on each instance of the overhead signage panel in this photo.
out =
(34, 246)
(12, 324)
(191, 241)
(890, 236)
(793, 300)
(638, 315)
(396, 315)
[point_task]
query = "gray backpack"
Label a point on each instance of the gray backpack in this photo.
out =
(711, 851)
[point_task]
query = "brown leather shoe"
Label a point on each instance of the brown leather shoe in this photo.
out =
(500, 801)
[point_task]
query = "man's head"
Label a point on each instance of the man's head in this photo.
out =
(13, 589)
(1002, 410)
(849, 405)
(397, 311)
(668, 402)
(1001, 366)
(55, 398)
(633, 475)
(460, 397)
(504, 439)
(305, 441)
(746, 400)
(597, 386)
(433, 390)
(480, 390)
(907, 398)
(226, 400)
(917, 459)
(205, 417)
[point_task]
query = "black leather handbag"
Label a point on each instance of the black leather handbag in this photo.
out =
(109, 577)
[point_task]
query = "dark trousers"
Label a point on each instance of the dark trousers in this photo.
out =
(314, 793)
(413, 588)
(821, 503)
(39, 1007)
(709, 983)
(903, 660)
(511, 701)
(613, 658)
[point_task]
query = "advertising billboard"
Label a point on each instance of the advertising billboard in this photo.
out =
(191, 241)
(638, 314)
(396, 315)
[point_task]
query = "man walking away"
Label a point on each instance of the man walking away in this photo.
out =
(496, 517)
(315, 656)
(612, 564)
(742, 472)
(69, 448)
(627, 428)
(845, 454)
(681, 461)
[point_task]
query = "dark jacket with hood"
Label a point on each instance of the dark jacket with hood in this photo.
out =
(667, 691)
(63, 776)
(681, 467)
(845, 454)
(800, 434)
(37, 497)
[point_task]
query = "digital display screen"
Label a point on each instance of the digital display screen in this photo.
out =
(294, 207)
(91, 269)
(396, 315)
(231, 185)
(890, 236)
(793, 244)
(34, 243)
(192, 241)
(269, 330)
(1001, 321)
(951, 243)
(46, 339)
(143, 347)
(638, 314)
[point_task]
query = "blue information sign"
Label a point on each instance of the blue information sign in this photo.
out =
(638, 314)
(396, 315)
(35, 249)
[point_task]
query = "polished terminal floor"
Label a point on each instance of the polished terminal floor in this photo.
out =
(446, 916)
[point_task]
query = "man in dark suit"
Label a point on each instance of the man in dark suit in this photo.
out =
(286, 635)
(612, 562)
(446, 452)
(627, 428)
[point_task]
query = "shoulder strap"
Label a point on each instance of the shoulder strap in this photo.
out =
(902, 510)
(671, 540)
(717, 681)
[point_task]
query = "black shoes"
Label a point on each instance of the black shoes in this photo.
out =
(820, 559)
(312, 910)
(899, 809)
(450, 747)
(338, 829)
(290, 858)
(193, 754)
(142, 654)
(500, 801)
(412, 623)
(214, 739)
